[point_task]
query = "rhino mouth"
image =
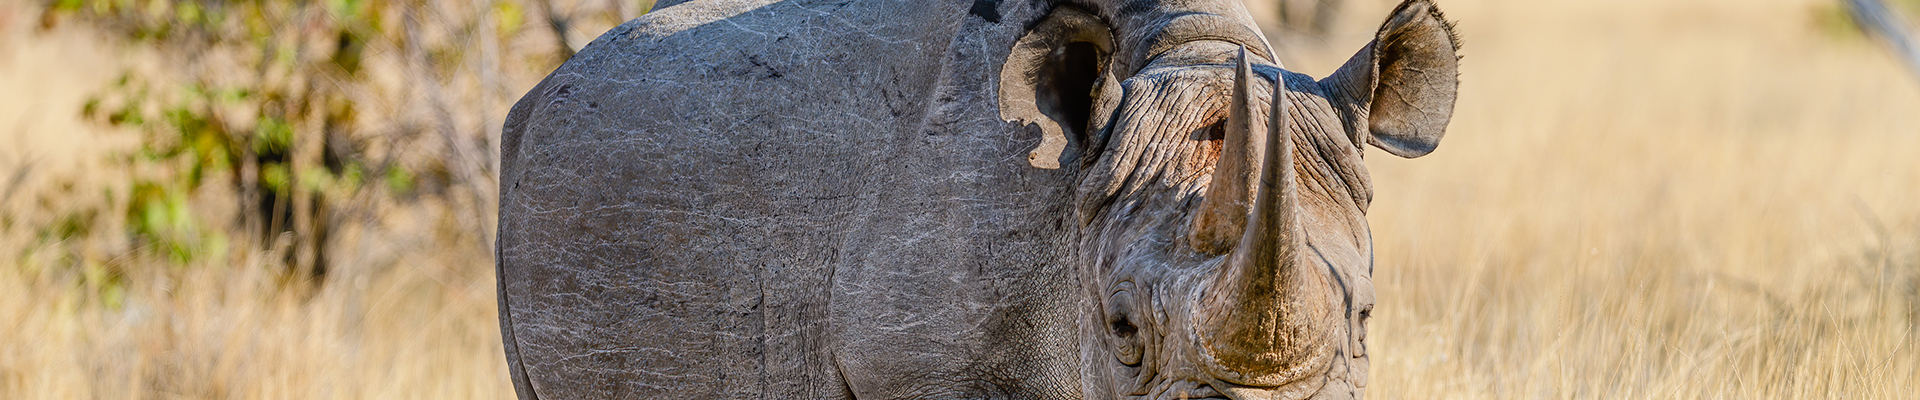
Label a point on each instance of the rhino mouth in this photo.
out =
(1187, 389)
(1204, 392)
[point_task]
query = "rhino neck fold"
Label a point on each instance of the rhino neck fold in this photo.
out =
(1150, 28)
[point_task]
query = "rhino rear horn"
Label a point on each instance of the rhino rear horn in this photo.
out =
(1222, 215)
(1402, 86)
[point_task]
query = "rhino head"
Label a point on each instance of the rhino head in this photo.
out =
(1223, 248)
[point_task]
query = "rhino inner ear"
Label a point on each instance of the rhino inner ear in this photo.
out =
(1051, 80)
(1406, 80)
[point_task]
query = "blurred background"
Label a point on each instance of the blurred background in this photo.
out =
(1637, 198)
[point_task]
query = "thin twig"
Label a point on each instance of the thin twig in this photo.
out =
(13, 183)
(1880, 21)
(463, 162)
(560, 24)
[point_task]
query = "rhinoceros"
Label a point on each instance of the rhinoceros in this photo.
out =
(920, 199)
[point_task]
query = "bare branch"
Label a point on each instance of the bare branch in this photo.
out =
(1881, 22)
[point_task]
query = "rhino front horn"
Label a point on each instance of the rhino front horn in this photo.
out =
(1262, 321)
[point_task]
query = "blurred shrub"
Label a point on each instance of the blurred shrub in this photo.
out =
(217, 125)
(272, 126)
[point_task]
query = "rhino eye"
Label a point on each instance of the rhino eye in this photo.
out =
(1360, 331)
(1215, 132)
(1125, 339)
(1122, 328)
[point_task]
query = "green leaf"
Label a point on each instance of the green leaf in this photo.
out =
(398, 180)
(509, 17)
(274, 176)
(272, 136)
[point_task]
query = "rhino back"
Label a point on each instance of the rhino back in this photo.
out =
(744, 199)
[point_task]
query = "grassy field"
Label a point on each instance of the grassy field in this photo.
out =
(1656, 199)
(1659, 199)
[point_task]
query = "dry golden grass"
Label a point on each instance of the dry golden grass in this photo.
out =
(1638, 199)
(1655, 199)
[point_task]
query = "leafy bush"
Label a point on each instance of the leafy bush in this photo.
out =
(272, 126)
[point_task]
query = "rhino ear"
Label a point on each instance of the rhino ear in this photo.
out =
(1405, 82)
(1054, 78)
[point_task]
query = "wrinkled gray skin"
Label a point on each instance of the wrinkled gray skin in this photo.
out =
(919, 199)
